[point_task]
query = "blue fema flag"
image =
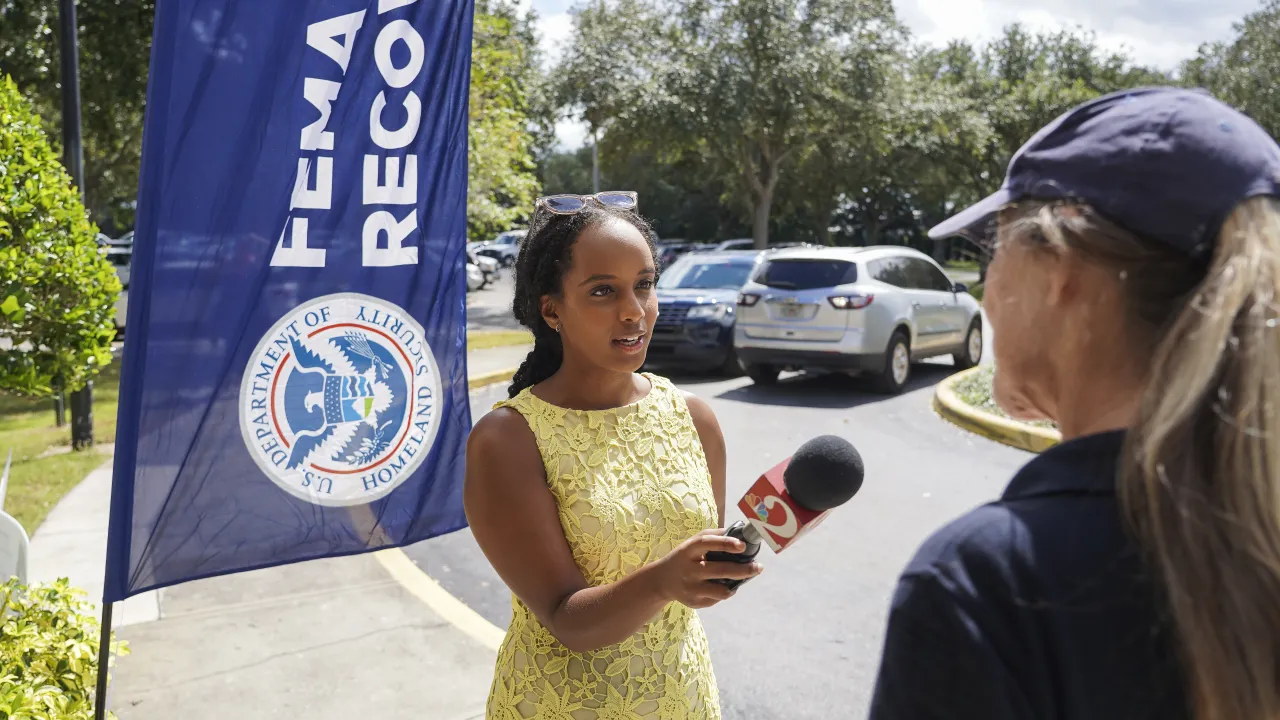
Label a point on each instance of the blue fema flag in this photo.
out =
(294, 377)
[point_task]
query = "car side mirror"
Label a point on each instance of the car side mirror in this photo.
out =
(959, 288)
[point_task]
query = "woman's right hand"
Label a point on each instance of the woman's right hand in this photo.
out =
(685, 575)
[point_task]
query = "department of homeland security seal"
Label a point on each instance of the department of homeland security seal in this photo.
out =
(339, 402)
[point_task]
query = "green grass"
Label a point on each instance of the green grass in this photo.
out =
(965, 265)
(975, 390)
(37, 483)
(485, 339)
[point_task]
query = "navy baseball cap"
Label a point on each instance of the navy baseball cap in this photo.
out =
(1168, 164)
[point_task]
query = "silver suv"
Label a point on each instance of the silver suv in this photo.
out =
(871, 310)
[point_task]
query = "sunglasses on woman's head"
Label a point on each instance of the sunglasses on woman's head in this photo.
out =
(570, 204)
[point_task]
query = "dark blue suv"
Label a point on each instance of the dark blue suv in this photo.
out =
(697, 298)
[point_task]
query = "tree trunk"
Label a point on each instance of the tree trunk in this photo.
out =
(760, 170)
(942, 250)
(827, 213)
(871, 231)
(760, 221)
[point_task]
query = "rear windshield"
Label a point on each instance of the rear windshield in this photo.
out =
(707, 276)
(807, 274)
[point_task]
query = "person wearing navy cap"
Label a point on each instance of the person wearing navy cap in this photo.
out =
(1132, 571)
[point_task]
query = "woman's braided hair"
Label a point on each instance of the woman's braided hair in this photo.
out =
(545, 256)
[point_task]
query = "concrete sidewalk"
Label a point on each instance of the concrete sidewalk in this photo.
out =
(489, 360)
(72, 543)
(325, 639)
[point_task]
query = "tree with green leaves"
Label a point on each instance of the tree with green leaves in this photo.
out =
(680, 196)
(115, 52)
(502, 175)
(57, 291)
(1245, 72)
(1017, 84)
(880, 181)
(1020, 82)
(750, 87)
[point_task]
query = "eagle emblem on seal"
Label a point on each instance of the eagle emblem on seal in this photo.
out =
(335, 400)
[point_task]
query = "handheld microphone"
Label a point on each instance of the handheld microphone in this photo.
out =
(794, 497)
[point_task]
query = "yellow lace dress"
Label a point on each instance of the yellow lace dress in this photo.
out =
(631, 484)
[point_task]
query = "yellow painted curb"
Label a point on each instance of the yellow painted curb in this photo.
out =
(431, 593)
(993, 427)
(488, 339)
(449, 608)
(478, 381)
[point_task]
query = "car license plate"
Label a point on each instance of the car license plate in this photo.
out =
(792, 311)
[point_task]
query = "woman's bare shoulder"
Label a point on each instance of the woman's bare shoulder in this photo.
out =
(500, 441)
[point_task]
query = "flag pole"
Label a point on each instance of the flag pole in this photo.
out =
(104, 660)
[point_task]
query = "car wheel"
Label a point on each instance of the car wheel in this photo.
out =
(731, 367)
(971, 354)
(897, 365)
(762, 374)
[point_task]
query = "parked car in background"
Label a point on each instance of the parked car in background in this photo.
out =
(748, 244)
(671, 250)
(475, 277)
(736, 244)
(119, 252)
(868, 310)
(697, 299)
(489, 267)
(503, 248)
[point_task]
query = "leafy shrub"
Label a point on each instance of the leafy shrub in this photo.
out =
(48, 652)
(976, 291)
(975, 390)
(57, 290)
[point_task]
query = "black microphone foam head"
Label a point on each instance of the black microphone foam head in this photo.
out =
(823, 473)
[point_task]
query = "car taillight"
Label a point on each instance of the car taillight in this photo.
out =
(747, 299)
(856, 301)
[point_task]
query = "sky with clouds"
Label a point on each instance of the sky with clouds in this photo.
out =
(1159, 33)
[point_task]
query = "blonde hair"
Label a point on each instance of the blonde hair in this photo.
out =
(1199, 480)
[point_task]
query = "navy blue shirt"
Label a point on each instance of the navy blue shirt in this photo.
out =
(1034, 606)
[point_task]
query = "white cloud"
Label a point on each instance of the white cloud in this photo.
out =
(555, 26)
(554, 32)
(1159, 33)
(571, 134)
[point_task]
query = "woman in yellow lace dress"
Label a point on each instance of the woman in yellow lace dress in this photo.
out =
(596, 492)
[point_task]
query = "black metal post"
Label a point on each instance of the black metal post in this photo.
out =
(104, 662)
(72, 151)
(73, 159)
(59, 409)
(82, 417)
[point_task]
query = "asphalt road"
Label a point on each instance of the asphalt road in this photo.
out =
(803, 640)
(490, 308)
